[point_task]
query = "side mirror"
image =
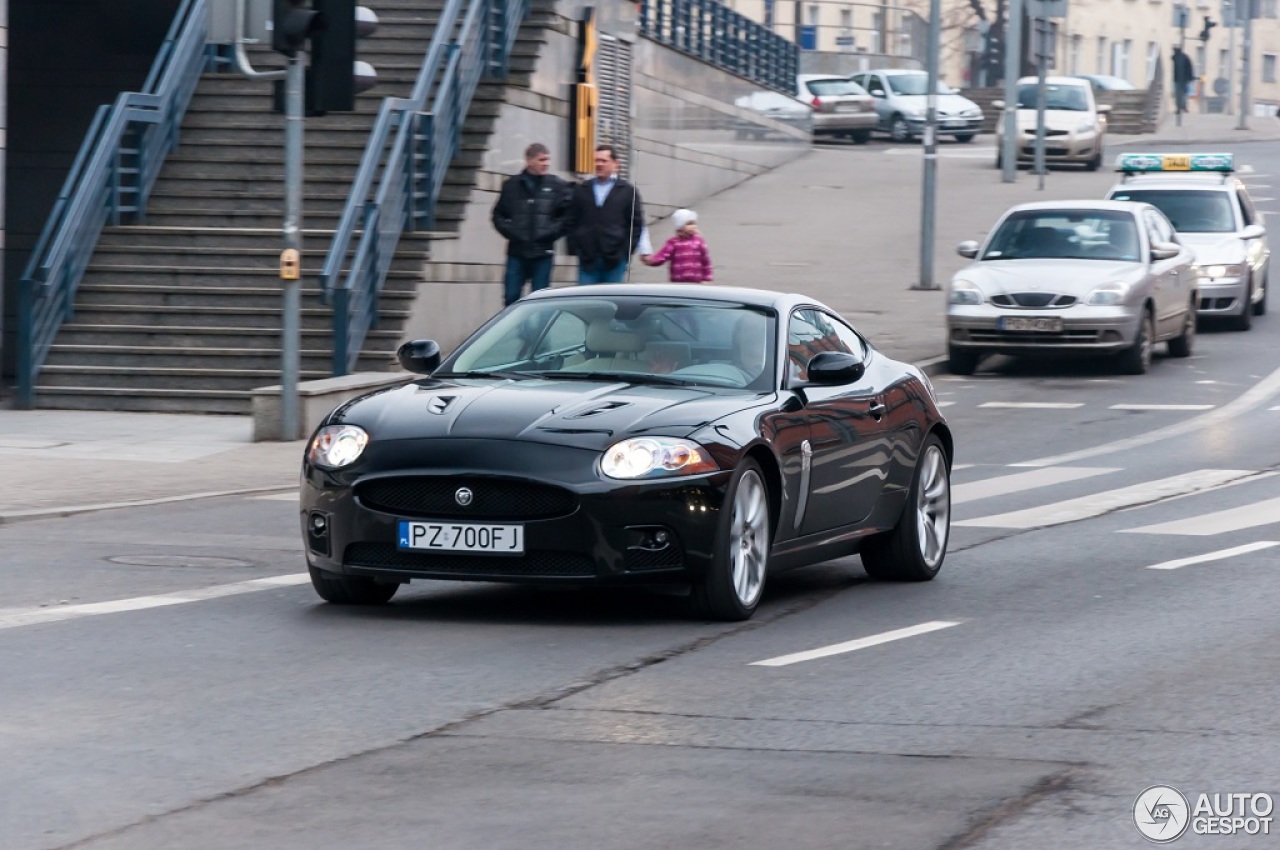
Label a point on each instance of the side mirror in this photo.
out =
(968, 249)
(997, 104)
(1164, 251)
(1103, 108)
(877, 92)
(832, 368)
(1253, 231)
(419, 355)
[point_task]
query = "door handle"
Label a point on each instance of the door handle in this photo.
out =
(877, 410)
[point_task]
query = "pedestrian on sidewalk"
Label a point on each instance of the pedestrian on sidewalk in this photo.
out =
(1183, 75)
(687, 251)
(606, 220)
(531, 215)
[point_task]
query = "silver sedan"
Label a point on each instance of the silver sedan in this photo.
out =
(1074, 277)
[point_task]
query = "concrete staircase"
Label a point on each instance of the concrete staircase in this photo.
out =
(183, 313)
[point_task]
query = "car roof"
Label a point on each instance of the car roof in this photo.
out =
(895, 71)
(1110, 206)
(1056, 81)
(805, 78)
(780, 301)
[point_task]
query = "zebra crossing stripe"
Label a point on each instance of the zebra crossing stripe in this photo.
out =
(1019, 481)
(1216, 556)
(1033, 405)
(1098, 504)
(1219, 522)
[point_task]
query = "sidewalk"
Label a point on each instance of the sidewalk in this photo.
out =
(841, 224)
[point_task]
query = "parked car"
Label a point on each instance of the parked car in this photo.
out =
(1106, 82)
(840, 107)
(635, 434)
(787, 111)
(902, 96)
(1070, 278)
(1075, 123)
(1214, 217)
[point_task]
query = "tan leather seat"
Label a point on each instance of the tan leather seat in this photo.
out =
(612, 350)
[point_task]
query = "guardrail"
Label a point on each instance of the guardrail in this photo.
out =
(112, 175)
(406, 160)
(710, 31)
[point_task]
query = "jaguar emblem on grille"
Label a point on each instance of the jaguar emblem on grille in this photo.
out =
(463, 496)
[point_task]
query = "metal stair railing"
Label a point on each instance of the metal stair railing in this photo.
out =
(712, 32)
(406, 160)
(112, 175)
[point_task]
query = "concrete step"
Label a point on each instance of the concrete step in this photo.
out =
(216, 317)
(194, 336)
(263, 298)
(199, 184)
(238, 239)
(90, 397)
(150, 256)
(219, 277)
(163, 377)
(221, 359)
(322, 169)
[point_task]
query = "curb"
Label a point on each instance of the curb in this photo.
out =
(11, 517)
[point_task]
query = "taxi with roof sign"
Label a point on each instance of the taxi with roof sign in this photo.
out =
(1214, 216)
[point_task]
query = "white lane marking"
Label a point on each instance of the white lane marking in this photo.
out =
(278, 497)
(1161, 407)
(1255, 396)
(1019, 481)
(1277, 407)
(945, 403)
(1219, 522)
(1098, 504)
(13, 618)
(1216, 556)
(1034, 405)
(1262, 199)
(963, 466)
(860, 643)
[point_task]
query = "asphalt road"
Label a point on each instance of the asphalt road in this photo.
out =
(1064, 660)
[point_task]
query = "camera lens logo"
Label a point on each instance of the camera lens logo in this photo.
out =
(1161, 814)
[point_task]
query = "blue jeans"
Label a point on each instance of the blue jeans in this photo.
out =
(598, 272)
(519, 270)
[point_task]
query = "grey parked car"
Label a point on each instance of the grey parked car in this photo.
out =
(1074, 277)
(840, 107)
(902, 97)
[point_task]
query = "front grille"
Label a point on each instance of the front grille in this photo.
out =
(1033, 300)
(436, 497)
(1031, 131)
(641, 560)
(385, 556)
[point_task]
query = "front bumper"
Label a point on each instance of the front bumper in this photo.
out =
(947, 126)
(579, 527)
(1082, 148)
(1222, 296)
(1085, 330)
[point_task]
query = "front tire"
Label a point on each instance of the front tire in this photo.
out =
(1183, 344)
(965, 138)
(1136, 359)
(899, 129)
(916, 547)
(350, 590)
(1095, 163)
(860, 137)
(734, 583)
(961, 361)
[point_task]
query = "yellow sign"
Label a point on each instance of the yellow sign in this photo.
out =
(586, 99)
(290, 264)
(1177, 162)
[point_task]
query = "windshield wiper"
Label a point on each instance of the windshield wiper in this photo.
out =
(480, 373)
(628, 377)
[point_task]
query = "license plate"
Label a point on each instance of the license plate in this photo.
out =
(847, 107)
(462, 537)
(1050, 324)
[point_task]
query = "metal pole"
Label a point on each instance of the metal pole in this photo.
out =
(1246, 64)
(1041, 29)
(1180, 88)
(1012, 66)
(928, 212)
(1230, 9)
(289, 336)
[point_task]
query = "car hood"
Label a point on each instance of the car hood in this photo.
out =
(1076, 277)
(1054, 119)
(1215, 247)
(948, 104)
(574, 413)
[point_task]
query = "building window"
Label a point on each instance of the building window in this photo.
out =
(1224, 61)
(877, 24)
(1202, 61)
(1269, 9)
(1077, 44)
(768, 14)
(1153, 56)
(1120, 58)
(815, 11)
(1102, 54)
(1268, 67)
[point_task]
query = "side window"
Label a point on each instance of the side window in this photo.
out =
(811, 331)
(566, 332)
(1249, 214)
(849, 338)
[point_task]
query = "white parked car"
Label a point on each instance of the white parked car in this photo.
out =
(1075, 123)
(902, 98)
(1215, 218)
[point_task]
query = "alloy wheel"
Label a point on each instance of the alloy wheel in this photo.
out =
(933, 507)
(749, 538)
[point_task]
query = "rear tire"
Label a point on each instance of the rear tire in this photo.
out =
(961, 361)
(734, 583)
(1136, 359)
(350, 590)
(1095, 163)
(860, 137)
(1183, 344)
(916, 547)
(964, 138)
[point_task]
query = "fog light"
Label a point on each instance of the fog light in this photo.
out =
(318, 533)
(651, 538)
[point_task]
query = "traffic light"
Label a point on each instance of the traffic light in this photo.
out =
(335, 76)
(1208, 25)
(292, 23)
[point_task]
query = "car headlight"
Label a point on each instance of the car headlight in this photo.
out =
(1109, 294)
(973, 113)
(1086, 127)
(651, 457)
(913, 113)
(336, 446)
(1228, 270)
(963, 292)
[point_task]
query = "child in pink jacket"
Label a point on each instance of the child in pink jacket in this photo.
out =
(690, 261)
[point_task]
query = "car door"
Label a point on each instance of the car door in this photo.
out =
(848, 453)
(1172, 278)
(875, 86)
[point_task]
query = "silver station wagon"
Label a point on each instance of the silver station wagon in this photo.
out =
(1074, 277)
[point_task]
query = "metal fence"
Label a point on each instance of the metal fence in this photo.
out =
(713, 33)
(112, 176)
(406, 160)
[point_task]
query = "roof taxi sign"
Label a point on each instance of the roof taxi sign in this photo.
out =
(1139, 163)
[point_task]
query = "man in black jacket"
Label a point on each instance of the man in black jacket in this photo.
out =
(606, 218)
(530, 214)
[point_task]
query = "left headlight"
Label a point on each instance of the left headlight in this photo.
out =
(336, 446)
(1219, 270)
(964, 292)
(1086, 127)
(1109, 294)
(651, 457)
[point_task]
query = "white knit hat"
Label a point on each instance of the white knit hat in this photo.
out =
(682, 217)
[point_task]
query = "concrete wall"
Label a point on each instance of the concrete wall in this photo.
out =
(686, 141)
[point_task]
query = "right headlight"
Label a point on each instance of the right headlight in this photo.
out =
(336, 446)
(1220, 270)
(1109, 294)
(964, 292)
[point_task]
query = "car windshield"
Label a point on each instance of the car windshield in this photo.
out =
(1189, 211)
(914, 84)
(641, 340)
(1066, 235)
(1066, 97)
(834, 88)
